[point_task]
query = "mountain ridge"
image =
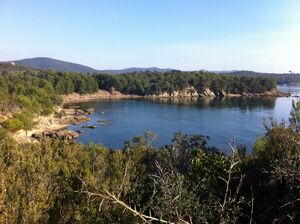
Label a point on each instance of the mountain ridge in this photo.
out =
(44, 63)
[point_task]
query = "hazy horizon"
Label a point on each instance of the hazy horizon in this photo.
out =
(257, 35)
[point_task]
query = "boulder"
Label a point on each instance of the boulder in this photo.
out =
(74, 120)
(89, 110)
(79, 112)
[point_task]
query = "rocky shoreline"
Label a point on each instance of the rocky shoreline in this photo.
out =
(99, 95)
(191, 92)
(55, 125)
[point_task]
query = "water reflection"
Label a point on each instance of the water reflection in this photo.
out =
(242, 103)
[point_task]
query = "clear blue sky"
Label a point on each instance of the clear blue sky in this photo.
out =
(261, 35)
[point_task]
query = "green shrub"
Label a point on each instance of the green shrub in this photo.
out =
(13, 124)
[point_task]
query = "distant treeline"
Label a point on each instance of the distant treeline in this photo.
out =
(284, 78)
(147, 83)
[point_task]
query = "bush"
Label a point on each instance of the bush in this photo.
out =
(22, 120)
(13, 124)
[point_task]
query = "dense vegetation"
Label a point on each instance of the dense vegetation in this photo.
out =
(186, 182)
(26, 91)
(147, 83)
(26, 94)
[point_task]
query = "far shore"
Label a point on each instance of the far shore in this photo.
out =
(100, 94)
(104, 94)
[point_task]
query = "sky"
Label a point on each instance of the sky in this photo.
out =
(215, 35)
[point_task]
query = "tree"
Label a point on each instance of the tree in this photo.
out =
(295, 115)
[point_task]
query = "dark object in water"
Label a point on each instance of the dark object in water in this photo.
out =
(89, 126)
(79, 131)
(104, 121)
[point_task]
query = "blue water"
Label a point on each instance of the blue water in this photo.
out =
(223, 120)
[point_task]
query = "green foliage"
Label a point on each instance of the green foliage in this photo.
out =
(274, 174)
(295, 115)
(3, 133)
(37, 93)
(38, 181)
(22, 120)
(147, 83)
(13, 124)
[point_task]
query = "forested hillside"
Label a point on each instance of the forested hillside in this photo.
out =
(43, 63)
(147, 83)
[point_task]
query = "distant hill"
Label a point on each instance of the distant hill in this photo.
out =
(43, 63)
(135, 69)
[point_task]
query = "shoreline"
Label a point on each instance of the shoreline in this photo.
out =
(99, 95)
(74, 98)
(45, 123)
(210, 94)
(52, 123)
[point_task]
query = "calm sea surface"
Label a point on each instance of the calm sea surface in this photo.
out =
(223, 120)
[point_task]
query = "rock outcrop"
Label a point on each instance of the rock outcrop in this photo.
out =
(207, 93)
(101, 94)
(191, 92)
(59, 134)
(74, 119)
